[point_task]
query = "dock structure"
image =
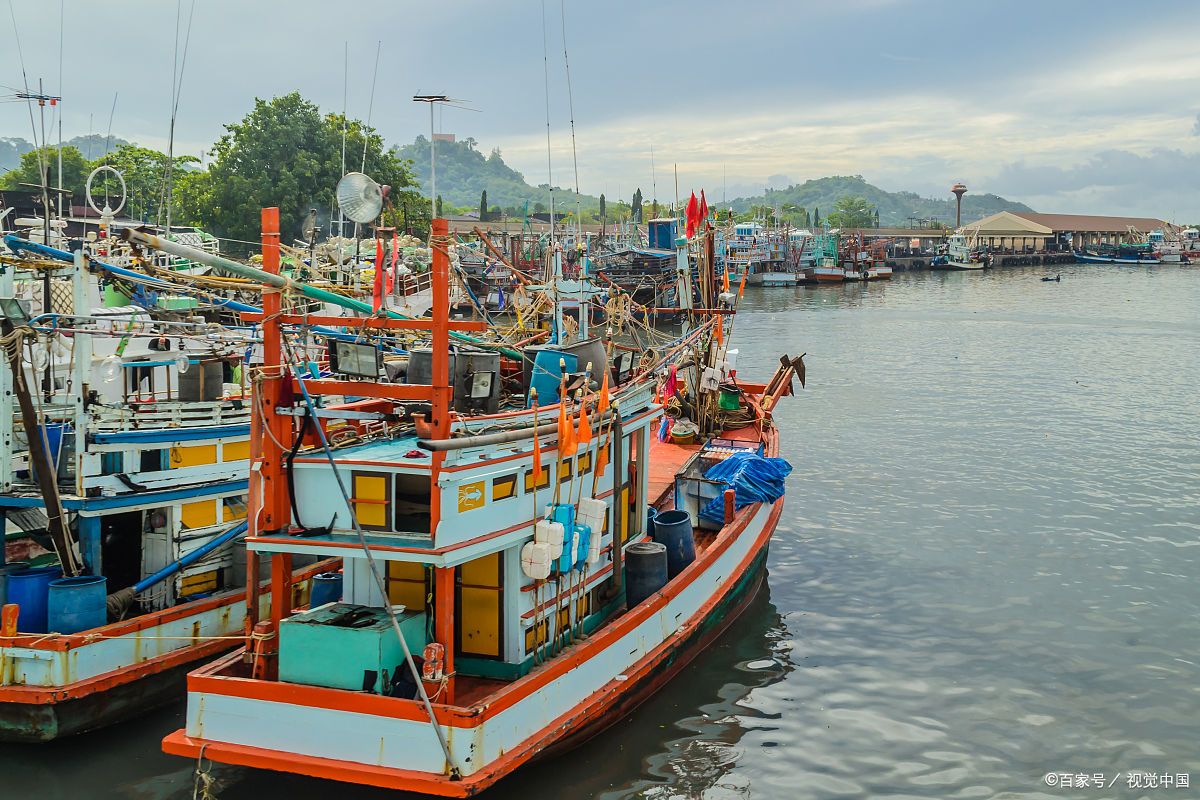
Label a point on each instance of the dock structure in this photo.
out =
(1022, 230)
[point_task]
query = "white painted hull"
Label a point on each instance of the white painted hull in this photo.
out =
(307, 732)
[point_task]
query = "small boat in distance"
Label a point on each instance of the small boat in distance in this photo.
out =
(1136, 253)
(960, 256)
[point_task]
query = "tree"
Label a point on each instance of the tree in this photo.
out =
(285, 153)
(483, 206)
(75, 171)
(852, 211)
(439, 206)
(816, 217)
(637, 205)
(144, 171)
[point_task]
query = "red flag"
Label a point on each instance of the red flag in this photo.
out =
(567, 446)
(690, 215)
(377, 289)
(703, 207)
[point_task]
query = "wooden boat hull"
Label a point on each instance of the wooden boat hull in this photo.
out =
(58, 686)
(577, 695)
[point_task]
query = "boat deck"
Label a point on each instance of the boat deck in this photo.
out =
(666, 459)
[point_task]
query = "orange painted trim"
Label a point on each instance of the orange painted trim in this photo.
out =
(389, 391)
(180, 744)
(50, 695)
(396, 549)
(68, 642)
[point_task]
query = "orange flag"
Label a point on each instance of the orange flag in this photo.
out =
(725, 278)
(719, 330)
(742, 285)
(602, 458)
(602, 398)
(567, 446)
(585, 427)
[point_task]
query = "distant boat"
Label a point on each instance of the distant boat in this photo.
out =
(959, 256)
(1140, 253)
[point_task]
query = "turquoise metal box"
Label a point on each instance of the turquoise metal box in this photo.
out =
(345, 646)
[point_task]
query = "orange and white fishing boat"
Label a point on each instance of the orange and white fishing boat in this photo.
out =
(506, 594)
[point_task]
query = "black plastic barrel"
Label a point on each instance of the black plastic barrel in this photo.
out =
(673, 530)
(645, 571)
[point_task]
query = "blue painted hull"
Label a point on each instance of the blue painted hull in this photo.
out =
(1089, 258)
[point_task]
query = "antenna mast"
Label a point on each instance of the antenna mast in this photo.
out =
(546, 76)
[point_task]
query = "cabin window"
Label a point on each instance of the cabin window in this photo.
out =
(585, 463)
(504, 487)
(535, 636)
(408, 584)
(564, 475)
(412, 507)
(372, 499)
(233, 508)
(547, 471)
(480, 604)
(152, 461)
(112, 463)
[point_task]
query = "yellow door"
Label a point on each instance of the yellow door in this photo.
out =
(480, 602)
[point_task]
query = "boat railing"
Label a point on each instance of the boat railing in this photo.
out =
(160, 413)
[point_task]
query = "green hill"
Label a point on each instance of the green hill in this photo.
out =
(464, 172)
(92, 147)
(895, 208)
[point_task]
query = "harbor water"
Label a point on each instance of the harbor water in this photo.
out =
(985, 578)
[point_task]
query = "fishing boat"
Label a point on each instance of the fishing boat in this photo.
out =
(878, 268)
(821, 256)
(125, 435)
(1135, 253)
(960, 256)
(506, 594)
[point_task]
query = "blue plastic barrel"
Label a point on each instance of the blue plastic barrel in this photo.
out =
(673, 530)
(5, 571)
(645, 571)
(547, 372)
(29, 588)
(77, 604)
(54, 436)
(651, 515)
(326, 588)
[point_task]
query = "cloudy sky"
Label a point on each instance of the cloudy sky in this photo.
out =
(1069, 106)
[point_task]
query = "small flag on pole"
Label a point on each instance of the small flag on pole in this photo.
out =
(377, 288)
(567, 446)
(602, 398)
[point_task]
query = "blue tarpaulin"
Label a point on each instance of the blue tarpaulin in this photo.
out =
(753, 478)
